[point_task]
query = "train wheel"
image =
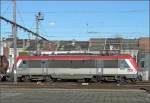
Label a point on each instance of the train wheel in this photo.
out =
(48, 79)
(133, 80)
(54, 79)
(25, 79)
(99, 79)
(81, 80)
(139, 78)
(96, 79)
(3, 78)
(19, 79)
(122, 80)
(87, 79)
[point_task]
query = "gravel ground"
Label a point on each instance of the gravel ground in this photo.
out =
(73, 96)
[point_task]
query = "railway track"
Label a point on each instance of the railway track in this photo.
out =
(75, 85)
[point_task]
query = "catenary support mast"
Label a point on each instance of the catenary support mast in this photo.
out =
(15, 41)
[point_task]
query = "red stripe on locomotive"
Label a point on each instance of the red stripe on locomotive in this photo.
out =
(73, 57)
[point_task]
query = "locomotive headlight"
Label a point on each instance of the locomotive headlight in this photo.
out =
(8, 70)
(15, 72)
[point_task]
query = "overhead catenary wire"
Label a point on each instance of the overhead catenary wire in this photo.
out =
(88, 11)
(22, 27)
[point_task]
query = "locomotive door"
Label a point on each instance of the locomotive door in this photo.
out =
(44, 66)
(99, 67)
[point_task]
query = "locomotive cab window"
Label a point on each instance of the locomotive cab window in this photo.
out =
(24, 64)
(123, 64)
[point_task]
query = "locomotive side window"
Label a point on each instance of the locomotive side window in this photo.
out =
(34, 64)
(110, 63)
(99, 63)
(44, 64)
(72, 64)
(83, 61)
(59, 64)
(83, 64)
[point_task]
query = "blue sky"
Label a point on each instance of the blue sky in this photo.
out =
(80, 20)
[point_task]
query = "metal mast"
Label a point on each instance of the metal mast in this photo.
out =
(0, 41)
(38, 18)
(15, 41)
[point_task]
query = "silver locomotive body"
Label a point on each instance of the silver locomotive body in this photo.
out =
(67, 67)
